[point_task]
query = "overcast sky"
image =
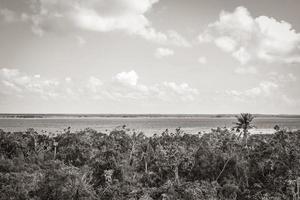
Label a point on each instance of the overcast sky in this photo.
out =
(150, 56)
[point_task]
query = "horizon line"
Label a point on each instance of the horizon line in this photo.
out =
(33, 113)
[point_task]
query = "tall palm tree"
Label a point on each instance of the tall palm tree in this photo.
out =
(244, 123)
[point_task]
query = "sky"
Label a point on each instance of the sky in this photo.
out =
(150, 56)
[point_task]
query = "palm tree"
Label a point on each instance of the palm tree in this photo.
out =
(244, 122)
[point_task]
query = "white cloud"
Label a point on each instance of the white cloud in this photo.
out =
(9, 73)
(242, 56)
(163, 52)
(11, 85)
(250, 39)
(263, 90)
(202, 60)
(183, 90)
(273, 87)
(124, 85)
(267, 87)
(282, 78)
(15, 82)
(225, 43)
(176, 39)
(129, 78)
(101, 16)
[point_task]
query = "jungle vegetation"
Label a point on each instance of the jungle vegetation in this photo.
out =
(88, 165)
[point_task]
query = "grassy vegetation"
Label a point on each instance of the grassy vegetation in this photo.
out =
(91, 165)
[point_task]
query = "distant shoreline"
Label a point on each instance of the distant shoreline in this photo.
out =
(33, 116)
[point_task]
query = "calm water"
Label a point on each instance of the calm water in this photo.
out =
(145, 124)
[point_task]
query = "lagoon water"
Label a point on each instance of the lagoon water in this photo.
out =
(149, 125)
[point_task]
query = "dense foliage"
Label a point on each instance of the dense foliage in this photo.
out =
(91, 165)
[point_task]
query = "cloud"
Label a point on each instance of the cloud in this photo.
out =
(127, 78)
(242, 55)
(183, 90)
(123, 86)
(129, 87)
(263, 90)
(202, 60)
(101, 16)
(225, 43)
(273, 87)
(15, 82)
(163, 52)
(176, 39)
(250, 39)
(282, 78)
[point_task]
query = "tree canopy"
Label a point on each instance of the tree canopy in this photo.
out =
(91, 165)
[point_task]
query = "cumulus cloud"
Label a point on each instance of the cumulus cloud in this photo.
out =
(249, 39)
(163, 52)
(225, 43)
(128, 78)
(123, 85)
(101, 16)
